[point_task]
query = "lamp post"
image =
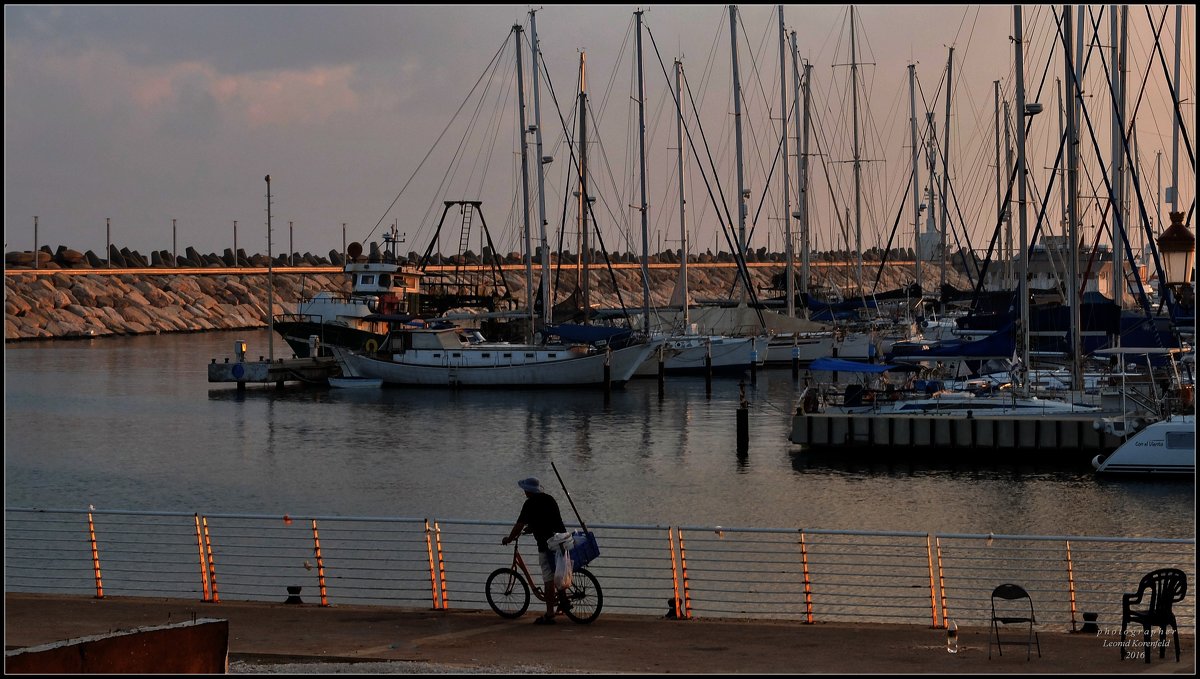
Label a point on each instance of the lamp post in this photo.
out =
(1177, 246)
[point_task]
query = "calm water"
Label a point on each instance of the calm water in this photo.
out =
(132, 423)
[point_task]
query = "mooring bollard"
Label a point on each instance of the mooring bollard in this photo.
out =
(293, 595)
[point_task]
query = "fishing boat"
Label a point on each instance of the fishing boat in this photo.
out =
(1164, 447)
(414, 353)
(379, 284)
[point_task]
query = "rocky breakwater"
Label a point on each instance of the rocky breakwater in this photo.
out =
(61, 305)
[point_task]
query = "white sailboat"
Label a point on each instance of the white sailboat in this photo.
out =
(448, 357)
(689, 351)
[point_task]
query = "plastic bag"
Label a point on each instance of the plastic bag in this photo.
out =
(563, 570)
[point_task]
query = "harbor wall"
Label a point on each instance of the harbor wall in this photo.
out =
(87, 303)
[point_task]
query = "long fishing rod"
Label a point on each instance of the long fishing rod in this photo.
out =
(568, 494)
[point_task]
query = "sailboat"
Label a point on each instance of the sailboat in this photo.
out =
(440, 354)
(689, 351)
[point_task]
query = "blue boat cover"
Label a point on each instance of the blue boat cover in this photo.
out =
(842, 365)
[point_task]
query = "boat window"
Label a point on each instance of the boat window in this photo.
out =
(552, 355)
(487, 354)
(507, 355)
(385, 280)
(437, 355)
(456, 355)
(1179, 439)
(529, 354)
(367, 279)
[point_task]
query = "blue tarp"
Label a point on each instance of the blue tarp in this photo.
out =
(842, 365)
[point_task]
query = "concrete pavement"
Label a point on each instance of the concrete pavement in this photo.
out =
(282, 633)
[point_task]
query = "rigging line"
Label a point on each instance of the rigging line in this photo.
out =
(612, 78)
(727, 231)
(1145, 219)
(749, 121)
(456, 156)
(503, 46)
(1174, 96)
(895, 224)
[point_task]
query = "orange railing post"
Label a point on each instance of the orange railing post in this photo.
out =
(441, 565)
(687, 594)
(1071, 583)
(212, 563)
(320, 563)
(95, 557)
(432, 569)
(932, 587)
(941, 581)
(808, 612)
(203, 561)
(674, 572)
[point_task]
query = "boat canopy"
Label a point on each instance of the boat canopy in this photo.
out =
(842, 365)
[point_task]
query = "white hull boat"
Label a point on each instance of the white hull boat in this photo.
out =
(355, 382)
(1164, 447)
(696, 354)
(440, 357)
(804, 347)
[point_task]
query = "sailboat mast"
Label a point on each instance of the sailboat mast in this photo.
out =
(1009, 273)
(801, 166)
(1022, 218)
(683, 243)
(521, 131)
(270, 281)
(1073, 288)
(582, 263)
(857, 166)
(999, 191)
(542, 160)
(931, 158)
(789, 285)
(1118, 157)
(1175, 118)
(946, 171)
(737, 126)
(642, 170)
(916, 180)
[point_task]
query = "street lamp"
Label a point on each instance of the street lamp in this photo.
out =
(1177, 246)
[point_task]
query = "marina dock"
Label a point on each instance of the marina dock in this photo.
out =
(1061, 434)
(279, 371)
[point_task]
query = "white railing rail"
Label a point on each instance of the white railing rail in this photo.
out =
(808, 575)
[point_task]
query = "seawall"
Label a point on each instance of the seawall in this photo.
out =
(88, 303)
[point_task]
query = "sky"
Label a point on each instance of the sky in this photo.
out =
(156, 125)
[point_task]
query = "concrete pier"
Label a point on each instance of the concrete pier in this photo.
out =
(1064, 435)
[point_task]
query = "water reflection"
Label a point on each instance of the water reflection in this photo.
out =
(132, 423)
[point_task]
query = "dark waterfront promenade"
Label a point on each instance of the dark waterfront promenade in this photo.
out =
(262, 633)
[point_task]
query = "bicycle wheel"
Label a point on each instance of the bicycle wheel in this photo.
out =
(507, 593)
(585, 597)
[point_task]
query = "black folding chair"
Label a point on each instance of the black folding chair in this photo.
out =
(1012, 612)
(1167, 586)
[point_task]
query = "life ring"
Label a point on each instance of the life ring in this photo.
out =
(371, 346)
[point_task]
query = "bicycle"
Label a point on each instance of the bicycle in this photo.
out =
(508, 592)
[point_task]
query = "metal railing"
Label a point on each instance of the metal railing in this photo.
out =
(804, 575)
